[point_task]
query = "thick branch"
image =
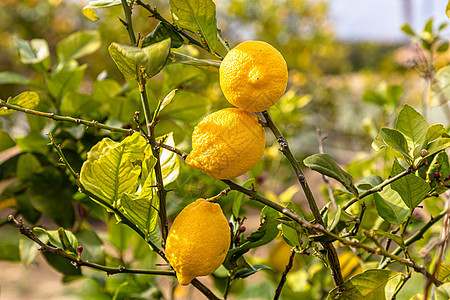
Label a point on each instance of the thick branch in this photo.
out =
(331, 251)
(66, 119)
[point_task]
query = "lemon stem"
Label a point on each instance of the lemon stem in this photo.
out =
(216, 197)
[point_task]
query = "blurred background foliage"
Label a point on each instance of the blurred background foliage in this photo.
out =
(328, 84)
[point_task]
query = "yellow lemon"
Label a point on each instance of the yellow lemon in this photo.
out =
(198, 240)
(349, 264)
(253, 76)
(227, 143)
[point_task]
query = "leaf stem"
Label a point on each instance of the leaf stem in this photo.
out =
(331, 251)
(66, 119)
(77, 262)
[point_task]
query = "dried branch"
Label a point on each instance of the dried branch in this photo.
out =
(284, 276)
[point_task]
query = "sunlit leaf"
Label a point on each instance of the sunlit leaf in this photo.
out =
(443, 292)
(32, 51)
(89, 12)
(112, 168)
(443, 273)
(65, 81)
(370, 285)
(77, 45)
(152, 58)
(197, 16)
(412, 125)
(29, 100)
(162, 32)
(395, 140)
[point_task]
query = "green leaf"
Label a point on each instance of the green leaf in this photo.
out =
(65, 81)
(412, 125)
(89, 12)
(294, 237)
(408, 30)
(443, 292)
(119, 235)
(28, 166)
(395, 140)
(390, 206)
(411, 188)
(186, 106)
(434, 132)
(395, 238)
(32, 51)
(93, 248)
(197, 16)
(113, 169)
(6, 141)
(68, 241)
(28, 250)
(29, 100)
(437, 146)
(246, 272)
(266, 232)
(443, 273)
(370, 96)
(152, 58)
(61, 264)
(325, 164)
(204, 64)
(369, 182)
(162, 32)
(77, 45)
(372, 285)
(7, 77)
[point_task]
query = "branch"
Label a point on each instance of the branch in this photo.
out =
(129, 23)
(417, 236)
(66, 119)
(283, 277)
(331, 251)
(379, 187)
(78, 262)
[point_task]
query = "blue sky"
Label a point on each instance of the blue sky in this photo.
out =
(381, 19)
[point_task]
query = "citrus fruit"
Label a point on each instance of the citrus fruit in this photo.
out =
(227, 143)
(198, 240)
(253, 76)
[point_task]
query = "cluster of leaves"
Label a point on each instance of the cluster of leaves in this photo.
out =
(119, 181)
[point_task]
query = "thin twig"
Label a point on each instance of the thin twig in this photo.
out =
(380, 187)
(333, 258)
(417, 236)
(65, 118)
(284, 276)
(321, 138)
(129, 23)
(78, 262)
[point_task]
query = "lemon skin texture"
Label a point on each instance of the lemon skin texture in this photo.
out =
(253, 76)
(198, 240)
(227, 143)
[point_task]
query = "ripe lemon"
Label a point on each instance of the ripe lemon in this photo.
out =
(253, 76)
(198, 240)
(227, 143)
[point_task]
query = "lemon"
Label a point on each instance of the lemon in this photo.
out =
(253, 76)
(227, 143)
(198, 240)
(349, 264)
